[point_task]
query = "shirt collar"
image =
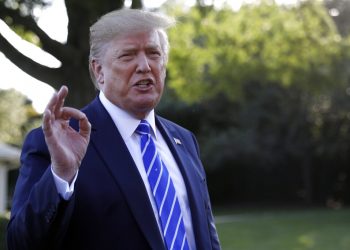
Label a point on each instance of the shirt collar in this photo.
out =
(125, 122)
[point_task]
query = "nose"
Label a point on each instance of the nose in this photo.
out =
(143, 64)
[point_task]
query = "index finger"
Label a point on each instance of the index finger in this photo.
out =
(61, 95)
(57, 100)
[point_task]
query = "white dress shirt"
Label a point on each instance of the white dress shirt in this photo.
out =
(127, 125)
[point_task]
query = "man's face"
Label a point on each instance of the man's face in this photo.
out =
(132, 71)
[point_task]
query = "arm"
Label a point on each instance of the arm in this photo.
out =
(39, 216)
(37, 208)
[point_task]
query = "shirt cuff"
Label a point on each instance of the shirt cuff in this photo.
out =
(63, 187)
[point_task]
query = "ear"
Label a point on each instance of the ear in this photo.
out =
(98, 71)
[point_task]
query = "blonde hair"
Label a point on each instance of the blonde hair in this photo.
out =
(126, 21)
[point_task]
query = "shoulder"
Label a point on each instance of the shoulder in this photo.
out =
(179, 132)
(172, 125)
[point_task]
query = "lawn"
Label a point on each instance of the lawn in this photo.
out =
(285, 230)
(317, 229)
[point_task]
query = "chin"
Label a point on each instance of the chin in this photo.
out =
(148, 103)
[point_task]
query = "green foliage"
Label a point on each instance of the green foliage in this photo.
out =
(274, 144)
(221, 51)
(26, 35)
(264, 90)
(16, 116)
(25, 7)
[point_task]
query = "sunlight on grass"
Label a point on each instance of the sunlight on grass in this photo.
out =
(307, 241)
(288, 230)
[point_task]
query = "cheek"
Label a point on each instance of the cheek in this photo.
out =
(122, 74)
(116, 77)
(112, 84)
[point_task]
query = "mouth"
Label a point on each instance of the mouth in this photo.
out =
(144, 84)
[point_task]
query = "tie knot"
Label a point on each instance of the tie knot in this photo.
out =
(143, 128)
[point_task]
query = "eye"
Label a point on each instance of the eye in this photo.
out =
(155, 53)
(125, 56)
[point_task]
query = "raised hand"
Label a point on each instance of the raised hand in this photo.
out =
(67, 146)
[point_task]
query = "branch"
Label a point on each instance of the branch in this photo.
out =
(136, 4)
(52, 76)
(55, 48)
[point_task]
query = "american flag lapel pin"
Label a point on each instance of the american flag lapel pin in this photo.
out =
(177, 141)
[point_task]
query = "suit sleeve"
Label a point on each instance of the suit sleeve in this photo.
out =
(215, 243)
(39, 216)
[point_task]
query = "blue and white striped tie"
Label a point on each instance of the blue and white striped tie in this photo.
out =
(163, 191)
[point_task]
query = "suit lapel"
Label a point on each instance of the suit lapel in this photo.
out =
(193, 178)
(104, 137)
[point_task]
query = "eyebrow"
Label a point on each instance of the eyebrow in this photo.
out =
(132, 47)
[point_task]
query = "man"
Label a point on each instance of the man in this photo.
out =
(86, 182)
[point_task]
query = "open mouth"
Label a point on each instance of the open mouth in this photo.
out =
(144, 84)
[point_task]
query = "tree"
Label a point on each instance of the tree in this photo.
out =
(17, 116)
(73, 55)
(256, 76)
(219, 51)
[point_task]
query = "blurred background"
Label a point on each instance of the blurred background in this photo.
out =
(264, 85)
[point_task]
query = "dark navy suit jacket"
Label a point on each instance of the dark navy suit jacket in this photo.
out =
(109, 208)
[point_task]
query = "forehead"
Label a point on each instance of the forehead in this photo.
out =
(139, 39)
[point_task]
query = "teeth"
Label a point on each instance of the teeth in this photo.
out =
(144, 82)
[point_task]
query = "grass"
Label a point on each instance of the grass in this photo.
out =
(286, 230)
(317, 229)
